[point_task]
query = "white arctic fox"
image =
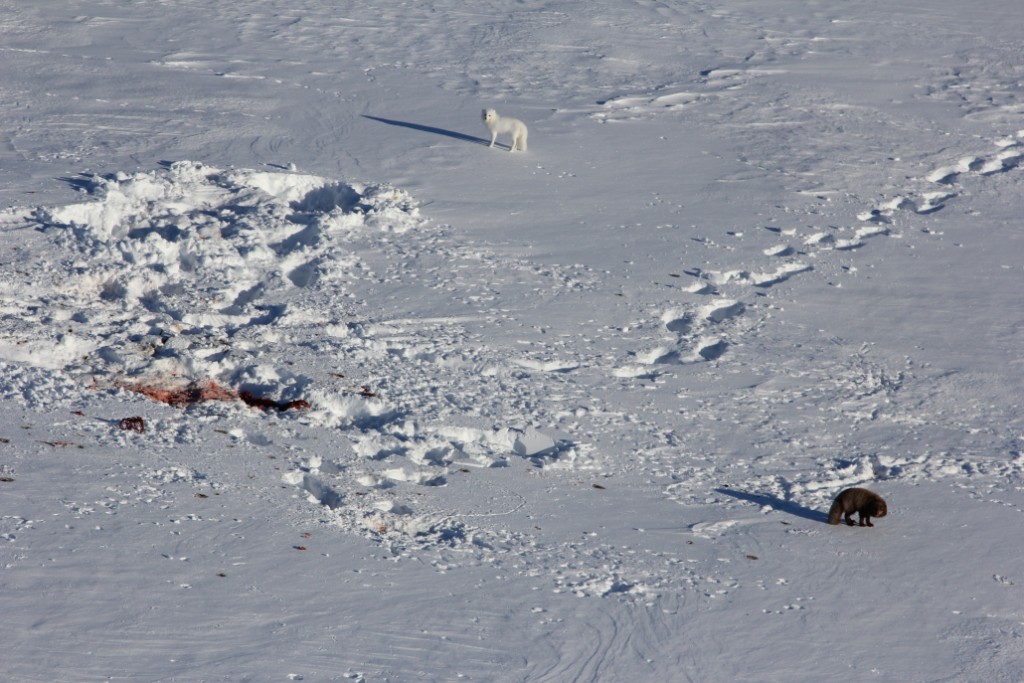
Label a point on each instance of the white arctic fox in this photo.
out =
(505, 124)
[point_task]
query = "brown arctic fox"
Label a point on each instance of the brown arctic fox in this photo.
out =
(866, 503)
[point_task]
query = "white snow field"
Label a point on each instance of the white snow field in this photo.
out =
(301, 381)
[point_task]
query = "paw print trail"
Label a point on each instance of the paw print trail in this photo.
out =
(704, 331)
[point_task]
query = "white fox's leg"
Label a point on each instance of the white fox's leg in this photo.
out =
(494, 136)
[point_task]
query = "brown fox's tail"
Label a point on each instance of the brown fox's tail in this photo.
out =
(835, 513)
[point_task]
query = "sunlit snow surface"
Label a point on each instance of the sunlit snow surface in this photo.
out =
(414, 409)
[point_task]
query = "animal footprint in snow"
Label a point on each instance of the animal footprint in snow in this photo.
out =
(857, 241)
(946, 175)
(660, 355)
(930, 202)
(680, 322)
(700, 287)
(779, 250)
(712, 349)
(1010, 157)
(1003, 161)
(722, 310)
(820, 239)
(706, 349)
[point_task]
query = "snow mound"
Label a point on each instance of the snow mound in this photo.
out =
(164, 268)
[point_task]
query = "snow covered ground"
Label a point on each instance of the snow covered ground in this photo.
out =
(303, 382)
